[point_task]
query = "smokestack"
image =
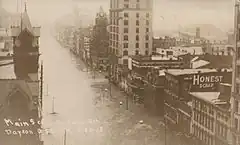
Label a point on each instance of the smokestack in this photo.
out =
(197, 32)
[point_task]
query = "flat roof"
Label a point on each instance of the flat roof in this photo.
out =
(154, 58)
(210, 97)
(178, 72)
(7, 72)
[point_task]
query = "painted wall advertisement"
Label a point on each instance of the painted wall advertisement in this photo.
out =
(209, 82)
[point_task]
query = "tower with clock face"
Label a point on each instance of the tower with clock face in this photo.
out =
(101, 18)
(26, 48)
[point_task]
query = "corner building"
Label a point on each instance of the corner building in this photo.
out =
(130, 31)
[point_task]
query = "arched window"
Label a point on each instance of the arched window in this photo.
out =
(125, 37)
(125, 52)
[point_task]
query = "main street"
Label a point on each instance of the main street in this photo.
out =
(89, 116)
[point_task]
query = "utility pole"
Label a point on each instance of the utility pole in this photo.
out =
(41, 89)
(65, 137)
(126, 102)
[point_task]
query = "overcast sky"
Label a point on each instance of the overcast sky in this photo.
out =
(175, 12)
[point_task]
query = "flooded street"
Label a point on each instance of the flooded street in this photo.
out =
(89, 116)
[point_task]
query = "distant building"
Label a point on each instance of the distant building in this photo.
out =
(86, 47)
(220, 49)
(164, 43)
(99, 48)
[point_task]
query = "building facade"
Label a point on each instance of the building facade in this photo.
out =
(144, 77)
(211, 117)
(99, 42)
(235, 99)
(178, 102)
(130, 32)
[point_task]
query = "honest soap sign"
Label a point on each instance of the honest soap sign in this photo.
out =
(19, 127)
(206, 81)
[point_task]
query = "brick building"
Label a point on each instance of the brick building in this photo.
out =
(178, 84)
(144, 76)
(211, 116)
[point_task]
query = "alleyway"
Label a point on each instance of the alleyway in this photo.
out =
(85, 109)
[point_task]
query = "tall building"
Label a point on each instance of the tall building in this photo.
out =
(100, 40)
(235, 99)
(130, 28)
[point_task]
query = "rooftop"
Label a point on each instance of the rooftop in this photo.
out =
(178, 72)
(211, 97)
(197, 50)
(153, 58)
(199, 63)
(7, 71)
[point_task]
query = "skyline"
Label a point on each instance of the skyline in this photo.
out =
(167, 14)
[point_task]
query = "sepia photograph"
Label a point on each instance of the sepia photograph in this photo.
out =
(119, 72)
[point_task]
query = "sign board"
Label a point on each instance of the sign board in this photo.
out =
(208, 81)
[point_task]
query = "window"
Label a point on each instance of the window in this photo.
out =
(125, 30)
(146, 45)
(125, 37)
(237, 88)
(146, 52)
(236, 123)
(137, 52)
(125, 61)
(137, 22)
(147, 15)
(137, 45)
(125, 22)
(137, 30)
(147, 29)
(126, 6)
(125, 14)
(137, 38)
(125, 52)
(238, 71)
(137, 15)
(147, 37)
(125, 45)
(238, 52)
(236, 105)
(147, 22)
